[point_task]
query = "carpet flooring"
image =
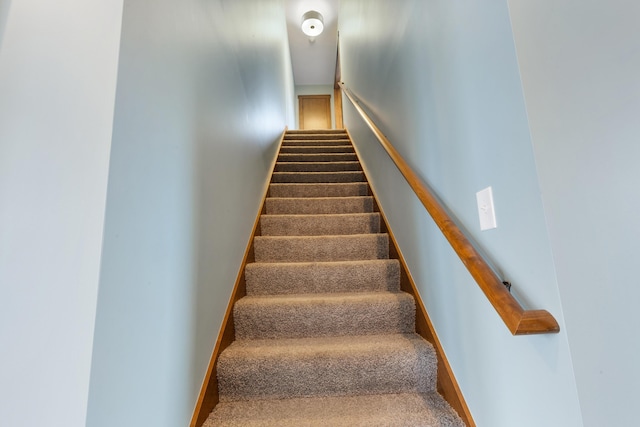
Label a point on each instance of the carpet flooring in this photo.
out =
(325, 336)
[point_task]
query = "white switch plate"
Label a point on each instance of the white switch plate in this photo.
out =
(486, 212)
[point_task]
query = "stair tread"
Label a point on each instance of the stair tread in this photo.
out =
(337, 276)
(319, 177)
(319, 205)
(321, 248)
(319, 144)
(317, 149)
(318, 157)
(327, 264)
(324, 366)
(329, 298)
(314, 190)
(399, 409)
(330, 347)
(304, 167)
(367, 236)
(316, 130)
(346, 163)
(316, 173)
(319, 174)
(317, 136)
(324, 199)
(320, 216)
(319, 224)
(329, 314)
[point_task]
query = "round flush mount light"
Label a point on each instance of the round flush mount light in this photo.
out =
(312, 24)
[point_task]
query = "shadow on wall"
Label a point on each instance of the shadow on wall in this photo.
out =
(222, 185)
(5, 6)
(238, 122)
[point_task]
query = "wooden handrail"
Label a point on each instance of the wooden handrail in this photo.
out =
(518, 320)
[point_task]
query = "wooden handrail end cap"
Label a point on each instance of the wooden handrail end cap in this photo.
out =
(536, 322)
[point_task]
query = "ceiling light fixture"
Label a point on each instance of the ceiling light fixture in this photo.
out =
(312, 24)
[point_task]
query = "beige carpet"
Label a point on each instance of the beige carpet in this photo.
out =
(324, 336)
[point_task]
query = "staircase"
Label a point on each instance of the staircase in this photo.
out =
(324, 336)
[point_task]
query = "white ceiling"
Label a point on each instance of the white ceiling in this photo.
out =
(314, 63)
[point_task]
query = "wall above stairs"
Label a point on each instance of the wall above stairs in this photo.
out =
(204, 92)
(441, 80)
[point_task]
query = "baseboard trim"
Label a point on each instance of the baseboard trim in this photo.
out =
(209, 397)
(446, 382)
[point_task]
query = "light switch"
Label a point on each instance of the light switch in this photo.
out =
(486, 211)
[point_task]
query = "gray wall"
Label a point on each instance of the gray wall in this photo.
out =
(204, 91)
(58, 64)
(580, 63)
(441, 79)
(4, 14)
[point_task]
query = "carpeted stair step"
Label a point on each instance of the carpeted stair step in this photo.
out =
(337, 189)
(324, 315)
(322, 277)
(316, 177)
(321, 248)
(317, 136)
(318, 205)
(381, 410)
(317, 225)
(312, 149)
(306, 131)
(343, 138)
(317, 166)
(325, 157)
(331, 366)
(318, 142)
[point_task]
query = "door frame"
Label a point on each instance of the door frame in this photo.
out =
(301, 109)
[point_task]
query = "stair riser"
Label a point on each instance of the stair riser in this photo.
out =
(319, 190)
(329, 157)
(318, 225)
(317, 167)
(330, 373)
(329, 205)
(324, 248)
(406, 409)
(323, 316)
(298, 278)
(317, 150)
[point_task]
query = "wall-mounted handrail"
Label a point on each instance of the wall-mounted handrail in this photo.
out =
(518, 320)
